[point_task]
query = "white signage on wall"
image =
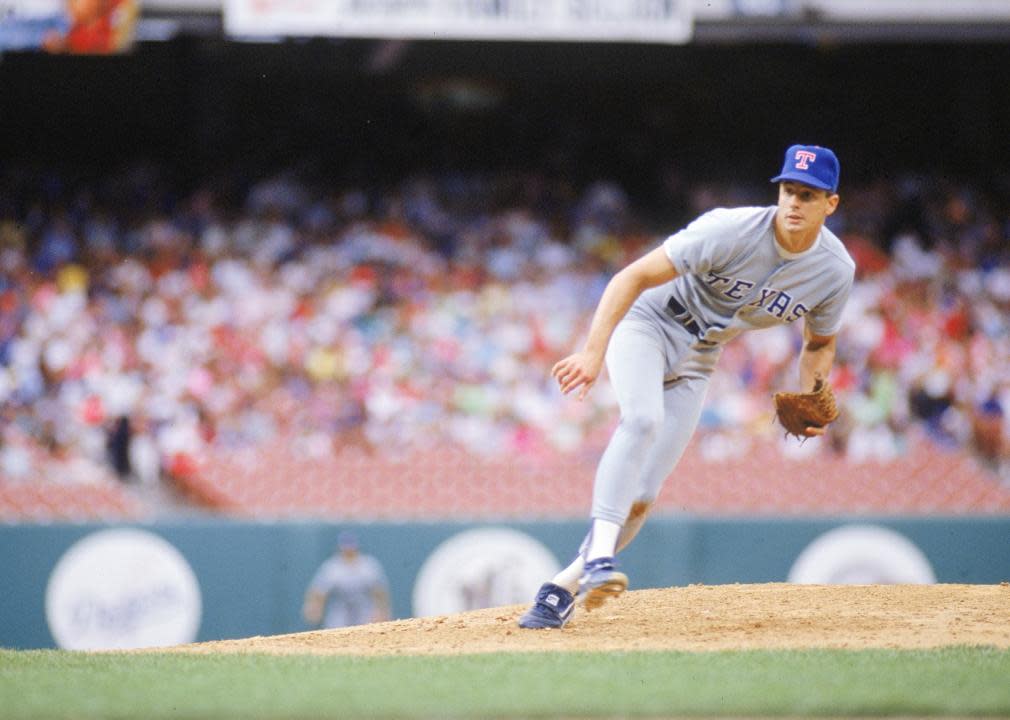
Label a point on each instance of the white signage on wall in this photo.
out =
(862, 555)
(663, 21)
(482, 568)
(122, 588)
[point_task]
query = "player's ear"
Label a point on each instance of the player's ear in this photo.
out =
(832, 202)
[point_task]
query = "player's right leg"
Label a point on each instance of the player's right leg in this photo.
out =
(661, 450)
(683, 403)
(635, 364)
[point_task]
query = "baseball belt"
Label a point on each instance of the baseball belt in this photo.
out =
(683, 316)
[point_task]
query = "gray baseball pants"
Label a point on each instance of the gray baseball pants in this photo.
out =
(660, 375)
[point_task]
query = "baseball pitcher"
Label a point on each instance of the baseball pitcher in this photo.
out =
(660, 327)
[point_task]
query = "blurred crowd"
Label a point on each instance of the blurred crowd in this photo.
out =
(143, 326)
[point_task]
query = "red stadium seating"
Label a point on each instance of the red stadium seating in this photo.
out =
(274, 482)
(46, 501)
(446, 482)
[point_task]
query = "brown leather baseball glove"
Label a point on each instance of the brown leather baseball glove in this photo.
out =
(799, 411)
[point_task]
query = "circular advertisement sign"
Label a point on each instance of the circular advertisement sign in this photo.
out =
(482, 568)
(120, 589)
(862, 555)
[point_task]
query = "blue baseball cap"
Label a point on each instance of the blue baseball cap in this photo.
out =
(811, 165)
(347, 540)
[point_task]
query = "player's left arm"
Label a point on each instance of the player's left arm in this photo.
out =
(817, 357)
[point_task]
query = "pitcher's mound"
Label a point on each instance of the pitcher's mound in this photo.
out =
(698, 617)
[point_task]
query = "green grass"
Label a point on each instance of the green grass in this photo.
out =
(954, 682)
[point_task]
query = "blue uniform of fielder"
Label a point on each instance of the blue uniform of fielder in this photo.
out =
(660, 327)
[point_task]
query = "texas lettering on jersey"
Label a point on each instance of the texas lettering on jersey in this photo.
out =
(733, 277)
(772, 300)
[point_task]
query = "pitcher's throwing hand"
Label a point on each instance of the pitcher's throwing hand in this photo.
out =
(575, 371)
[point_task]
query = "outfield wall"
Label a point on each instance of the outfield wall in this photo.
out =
(84, 586)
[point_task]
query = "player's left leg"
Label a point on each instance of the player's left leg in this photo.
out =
(568, 578)
(683, 400)
(682, 404)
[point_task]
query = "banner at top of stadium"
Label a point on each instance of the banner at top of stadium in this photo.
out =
(658, 21)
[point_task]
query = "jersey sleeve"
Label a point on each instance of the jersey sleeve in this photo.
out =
(702, 245)
(321, 579)
(826, 318)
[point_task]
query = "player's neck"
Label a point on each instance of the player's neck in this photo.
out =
(796, 242)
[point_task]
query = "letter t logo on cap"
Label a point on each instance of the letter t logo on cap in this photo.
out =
(803, 158)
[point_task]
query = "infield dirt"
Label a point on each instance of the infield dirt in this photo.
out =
(693, 618)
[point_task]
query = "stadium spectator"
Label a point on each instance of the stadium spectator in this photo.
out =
(429, 313)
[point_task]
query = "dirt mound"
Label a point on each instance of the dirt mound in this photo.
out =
(698, 617)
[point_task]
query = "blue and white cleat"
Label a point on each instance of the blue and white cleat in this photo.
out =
(600, 582)
(552, 608)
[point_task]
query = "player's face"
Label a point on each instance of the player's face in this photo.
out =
(803, 208)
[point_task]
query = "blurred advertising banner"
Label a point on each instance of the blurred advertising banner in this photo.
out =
(85, 27)
(659, 21)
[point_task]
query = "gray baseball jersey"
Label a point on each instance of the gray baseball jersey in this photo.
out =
(349, 588)
(733, 276)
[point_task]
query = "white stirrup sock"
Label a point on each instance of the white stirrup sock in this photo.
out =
(603, 539)
(601, 543)
(569, 577)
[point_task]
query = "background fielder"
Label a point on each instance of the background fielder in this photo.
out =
(660, 326)
(349, 588)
